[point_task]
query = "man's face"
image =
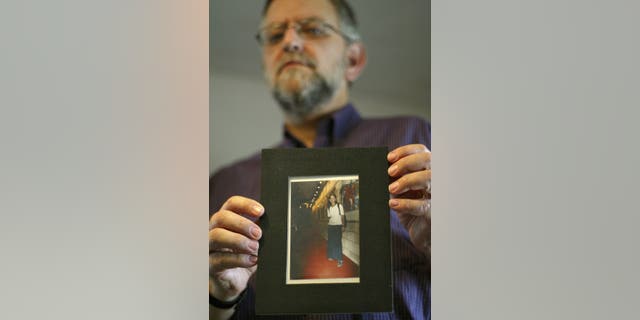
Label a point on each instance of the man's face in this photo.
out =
(303, 72)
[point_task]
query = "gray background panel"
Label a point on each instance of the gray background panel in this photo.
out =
(104, 159)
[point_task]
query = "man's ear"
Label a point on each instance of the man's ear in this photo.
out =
(356, 60)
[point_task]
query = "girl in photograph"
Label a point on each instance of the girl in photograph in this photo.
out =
(335, 213)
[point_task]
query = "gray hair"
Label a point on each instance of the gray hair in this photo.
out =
(348, 22)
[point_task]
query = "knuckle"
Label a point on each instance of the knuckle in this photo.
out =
(419, 147)
(415, 148)
(231, 200)
(414, 177)
(234, 201)
(213, 222)
(221, 219)
(227, 219)
(425, 177)
(215, 237)
(412, 182)
(213, 234)
(230, 219)
(402, 181)
(401, 164)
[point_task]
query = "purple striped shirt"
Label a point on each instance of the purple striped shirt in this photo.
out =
(345, 128)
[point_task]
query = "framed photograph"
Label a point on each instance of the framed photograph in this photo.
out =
(323, 233)
(326, 235)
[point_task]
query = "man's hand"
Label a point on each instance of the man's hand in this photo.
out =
(233, 247)
(410, 167)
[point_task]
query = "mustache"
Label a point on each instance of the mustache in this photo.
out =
(296, 59)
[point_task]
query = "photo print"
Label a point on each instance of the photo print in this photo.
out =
(323, 238)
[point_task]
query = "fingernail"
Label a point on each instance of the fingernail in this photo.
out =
(391, 156)
(393, 202)
(253, 246)
(392, 170)
(253, 259)
(257, 209)
(393, 187)
(256, 233)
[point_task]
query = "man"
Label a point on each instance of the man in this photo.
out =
(311, 54)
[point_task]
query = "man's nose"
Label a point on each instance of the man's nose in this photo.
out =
(292, 41)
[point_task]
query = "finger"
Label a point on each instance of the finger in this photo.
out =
(420, 180)
(222, 239)
(243, 205)
(236, 223)
(406, 150)
(413, 194)
(416, 207)
(410, 163)
(220, 261)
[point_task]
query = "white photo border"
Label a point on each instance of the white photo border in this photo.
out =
(288, 275)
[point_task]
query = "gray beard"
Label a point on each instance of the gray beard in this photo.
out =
(302, 103)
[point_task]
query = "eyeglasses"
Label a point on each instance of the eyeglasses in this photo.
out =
(308, 29)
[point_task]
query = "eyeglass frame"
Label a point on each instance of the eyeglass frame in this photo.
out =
(297, 26)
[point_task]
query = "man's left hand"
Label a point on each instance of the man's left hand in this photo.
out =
(410, 167)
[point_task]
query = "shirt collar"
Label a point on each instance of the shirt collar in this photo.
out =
(330, 130)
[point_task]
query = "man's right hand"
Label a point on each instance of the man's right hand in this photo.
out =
(233, 247)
